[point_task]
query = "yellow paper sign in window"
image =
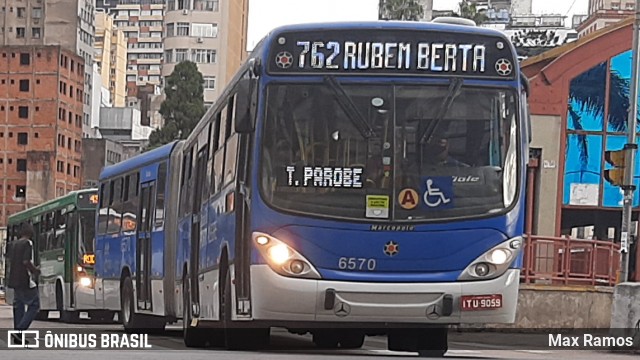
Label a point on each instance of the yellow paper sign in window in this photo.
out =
(377, 206)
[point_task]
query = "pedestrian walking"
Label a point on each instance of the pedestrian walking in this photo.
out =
(23, 275)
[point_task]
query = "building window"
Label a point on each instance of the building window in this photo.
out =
(206, 5)
(21, 165)
(204, 56)
(36, 13)
(23, 138)
(182, 29)
(168, 56)
(615, 5)
(23, 112)
(170, 31)
(21, 191)
(68, 169)
(21, 12)
(182, 55)
(184, 4)
(209, 82)
(20, 32)
(204, 30)
(25, 58)
(35, 33)
(24, 85)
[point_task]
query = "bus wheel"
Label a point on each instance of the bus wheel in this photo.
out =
(351, 339)
(65, 316)
(42, 315)
(326, 339)
(239, 338)
(130, 320)
(192, 337)
(431, 342)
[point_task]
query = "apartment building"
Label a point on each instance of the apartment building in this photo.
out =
(603, 13)
(27, 23)
(211, 33)
(41, 122)
(111, 57)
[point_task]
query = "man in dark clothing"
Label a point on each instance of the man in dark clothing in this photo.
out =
(20, 280)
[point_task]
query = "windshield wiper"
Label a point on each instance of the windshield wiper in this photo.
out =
(349, 108)
(452, 93)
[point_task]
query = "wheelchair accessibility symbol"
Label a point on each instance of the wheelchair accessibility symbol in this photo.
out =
(437, 193)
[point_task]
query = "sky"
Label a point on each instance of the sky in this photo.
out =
(265, 15)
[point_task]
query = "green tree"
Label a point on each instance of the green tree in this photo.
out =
(183, 106)
(470, 11)
(400, 10)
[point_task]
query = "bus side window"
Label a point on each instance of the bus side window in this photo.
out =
(130, 202)
(49, 231)
(191, 172)
(39, 236)
(231, 137)
(115, 206)
(160, 194)
(103, 212)
(218, 151)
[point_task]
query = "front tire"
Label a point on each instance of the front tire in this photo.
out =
(430, 342)
(239, 338)
(130, 320)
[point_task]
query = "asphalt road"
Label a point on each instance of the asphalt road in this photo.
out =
(286, 346)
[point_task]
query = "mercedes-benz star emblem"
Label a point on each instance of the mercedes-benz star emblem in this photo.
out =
(342, 309)
(432, 312)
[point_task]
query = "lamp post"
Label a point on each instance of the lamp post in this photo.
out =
(630, 157)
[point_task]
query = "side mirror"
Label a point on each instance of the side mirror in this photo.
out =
(525, 83)
(245, 106)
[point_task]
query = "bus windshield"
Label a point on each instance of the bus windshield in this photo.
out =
(86, 233)
(389, 152)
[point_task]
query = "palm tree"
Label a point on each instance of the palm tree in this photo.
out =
(400, 10)
(470, 11)
(584, 97)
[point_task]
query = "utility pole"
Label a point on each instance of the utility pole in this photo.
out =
(630, 158)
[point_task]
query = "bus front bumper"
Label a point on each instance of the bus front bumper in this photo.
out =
(278, 298)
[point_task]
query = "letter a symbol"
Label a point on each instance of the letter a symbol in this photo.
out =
(407, 199)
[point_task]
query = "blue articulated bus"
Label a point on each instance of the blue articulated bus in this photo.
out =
(352, 179)
(134, 258)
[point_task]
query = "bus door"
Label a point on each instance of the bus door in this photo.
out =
(201, 171)
(143, 247)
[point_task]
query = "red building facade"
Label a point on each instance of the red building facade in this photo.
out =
(41, 104)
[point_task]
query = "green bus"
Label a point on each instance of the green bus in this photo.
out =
(64, 250)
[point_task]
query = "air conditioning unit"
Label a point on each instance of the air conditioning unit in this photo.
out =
(36, 21)
(185, 12)
(200, 40)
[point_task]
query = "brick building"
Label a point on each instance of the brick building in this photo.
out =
(41, 118)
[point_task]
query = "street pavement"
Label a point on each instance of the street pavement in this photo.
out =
(284, 346)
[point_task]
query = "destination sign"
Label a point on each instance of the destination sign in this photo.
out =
(88, 200)
(392, 52)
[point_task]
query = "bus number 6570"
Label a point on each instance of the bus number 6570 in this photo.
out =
(351, 263)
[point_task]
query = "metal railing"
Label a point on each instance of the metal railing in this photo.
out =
(569, 261)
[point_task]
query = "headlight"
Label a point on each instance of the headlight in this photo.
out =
(85, 281)
(494, 262)
(282, 258)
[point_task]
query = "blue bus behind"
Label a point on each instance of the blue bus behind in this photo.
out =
(134, 267)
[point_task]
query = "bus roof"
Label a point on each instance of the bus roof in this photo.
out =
(62, 201)
(390, 25)
(138, 161)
